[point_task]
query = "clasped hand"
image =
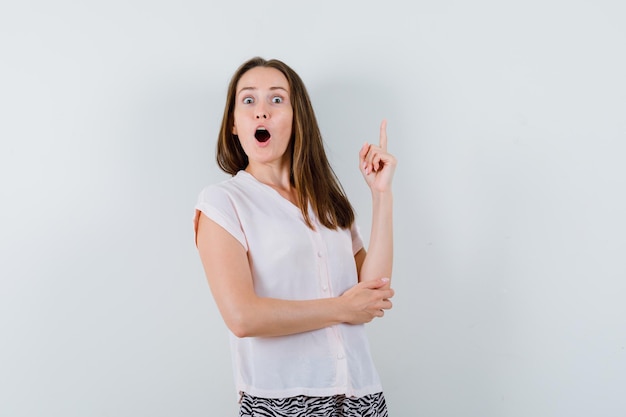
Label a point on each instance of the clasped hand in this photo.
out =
(367, 300)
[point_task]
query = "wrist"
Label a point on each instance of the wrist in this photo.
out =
(340, 310)
(382, 198)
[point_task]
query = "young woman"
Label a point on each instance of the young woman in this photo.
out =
(283, 256)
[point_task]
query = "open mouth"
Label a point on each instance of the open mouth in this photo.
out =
(262, 135)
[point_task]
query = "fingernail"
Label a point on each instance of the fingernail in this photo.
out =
(384, 279)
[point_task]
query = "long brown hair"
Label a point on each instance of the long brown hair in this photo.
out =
(311, 174)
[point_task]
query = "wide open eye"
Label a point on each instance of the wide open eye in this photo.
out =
(277, 99)
(248, 100)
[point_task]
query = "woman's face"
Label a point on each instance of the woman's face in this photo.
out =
(263, 115)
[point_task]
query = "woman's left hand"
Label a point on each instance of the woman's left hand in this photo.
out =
(376, 164)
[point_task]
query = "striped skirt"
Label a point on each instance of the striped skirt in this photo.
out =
(302, 406)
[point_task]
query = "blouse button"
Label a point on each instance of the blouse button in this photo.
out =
(319, 254)
(325, 288)
(340, 356)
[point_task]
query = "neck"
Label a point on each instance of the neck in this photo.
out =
(274, 176)
(279, 178)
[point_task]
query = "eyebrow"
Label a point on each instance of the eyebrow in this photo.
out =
(255, 88)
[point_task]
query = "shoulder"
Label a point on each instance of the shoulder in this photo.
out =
(221, 191)
(220, 202)
(214, 192)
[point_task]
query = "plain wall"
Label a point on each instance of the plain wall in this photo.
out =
(509, 125)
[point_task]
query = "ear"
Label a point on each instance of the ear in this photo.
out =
(234, 131)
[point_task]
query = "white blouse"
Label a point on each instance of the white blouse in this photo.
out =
(290, 261)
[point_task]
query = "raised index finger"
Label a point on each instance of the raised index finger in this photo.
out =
(383, 135)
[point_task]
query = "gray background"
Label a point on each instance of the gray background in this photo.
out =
(509, 125)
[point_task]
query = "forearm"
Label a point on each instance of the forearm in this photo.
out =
(266, 317)
(378, 261)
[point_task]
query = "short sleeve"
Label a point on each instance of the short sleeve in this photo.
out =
(215, 203)
(357, 240)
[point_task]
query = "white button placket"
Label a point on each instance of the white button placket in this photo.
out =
(334, 333)
(341, 362)
(322, 263)
(324, 272)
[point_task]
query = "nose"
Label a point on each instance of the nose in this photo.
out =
(261, 111)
